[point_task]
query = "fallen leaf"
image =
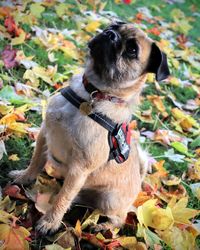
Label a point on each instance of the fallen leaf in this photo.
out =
(19, 40)
(180, 147)
(153, 216)
(161, 171)
(78, 229)
(157, 101)
(178, 239)
(37, 9)
(92, 26)
(9, 57)
(11, 26)
(128, 242)
(195, 187)
(14, 157)
(150, 238)
(14, 191)
(91, 220)
(180, 212)
(14, 237)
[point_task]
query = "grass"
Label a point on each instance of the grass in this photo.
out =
(22, 146)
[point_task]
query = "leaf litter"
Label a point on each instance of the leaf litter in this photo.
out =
(42, 45)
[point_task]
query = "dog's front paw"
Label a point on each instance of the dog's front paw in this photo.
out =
(48, 224)
(21, 176)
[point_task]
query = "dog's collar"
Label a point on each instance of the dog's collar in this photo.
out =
(97, 94)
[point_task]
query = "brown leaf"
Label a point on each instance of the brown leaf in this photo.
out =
(14, 191)
(9, 57)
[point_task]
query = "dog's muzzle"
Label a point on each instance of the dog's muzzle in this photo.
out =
(112, 35)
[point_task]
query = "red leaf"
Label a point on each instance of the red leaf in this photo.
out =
(14, 191)
(127, 1)
(11, 26)
(155, 31)
(9, 57)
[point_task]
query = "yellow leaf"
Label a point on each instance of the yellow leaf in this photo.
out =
(19, 40)
(78, 229)
(152, 216)
(161, 171)
(180, 212)
(100, 236)
(92, 26)
(174, 81)
(29, 75)
(69, 49)
(128, 242)
(13, 157)
(5, 109)
(178, 239)
(186, 121)
(92, 219)
(175, 63)
(36, 9)
(42, 73)
(18, 127)
(150, 77)
(5, 217)
(158, 103)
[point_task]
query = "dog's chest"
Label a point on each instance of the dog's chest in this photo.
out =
(68, 129)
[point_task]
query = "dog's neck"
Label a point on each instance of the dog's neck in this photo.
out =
(127, 91)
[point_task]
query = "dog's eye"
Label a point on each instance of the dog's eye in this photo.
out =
(131, 49)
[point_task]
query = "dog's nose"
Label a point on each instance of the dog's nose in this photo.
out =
(112, 35)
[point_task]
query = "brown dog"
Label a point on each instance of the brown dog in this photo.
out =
(119, 59)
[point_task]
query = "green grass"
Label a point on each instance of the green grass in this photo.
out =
(22, 146)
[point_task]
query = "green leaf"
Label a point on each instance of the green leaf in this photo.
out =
(180, 147)
(8, 93)
(36, 9)
(150, 238)
(195, 143)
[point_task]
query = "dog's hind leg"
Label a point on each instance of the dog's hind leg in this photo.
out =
(36, 165)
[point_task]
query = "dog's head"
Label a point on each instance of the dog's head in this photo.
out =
(122, 53)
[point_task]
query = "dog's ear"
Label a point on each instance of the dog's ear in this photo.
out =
(158, 63)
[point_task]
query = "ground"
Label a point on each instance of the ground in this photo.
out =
(42, 43)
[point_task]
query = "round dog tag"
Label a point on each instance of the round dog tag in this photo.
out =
(85, 108)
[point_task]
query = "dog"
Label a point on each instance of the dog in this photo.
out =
(119, 59)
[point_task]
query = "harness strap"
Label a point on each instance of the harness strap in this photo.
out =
(119, 134)
(76, 100)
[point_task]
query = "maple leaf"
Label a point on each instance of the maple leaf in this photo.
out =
(9, 57)
(180, 212)
(153, 216)
(14, 237)
(161, 171)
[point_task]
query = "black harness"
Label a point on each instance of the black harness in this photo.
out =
(118, 134)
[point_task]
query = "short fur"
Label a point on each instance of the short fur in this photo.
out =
(80, 145)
